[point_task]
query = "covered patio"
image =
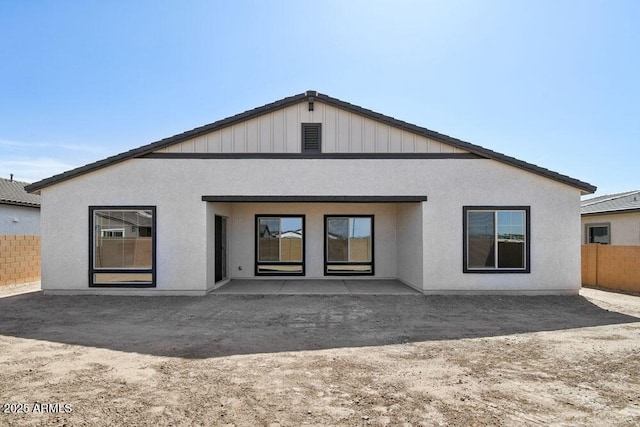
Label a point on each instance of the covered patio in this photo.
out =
(315, 287)
(365, 245)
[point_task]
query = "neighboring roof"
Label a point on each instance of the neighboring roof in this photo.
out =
(586, 188)
(12, 192)
(612, 203)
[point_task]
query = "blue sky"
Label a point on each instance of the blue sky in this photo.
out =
(555, 83)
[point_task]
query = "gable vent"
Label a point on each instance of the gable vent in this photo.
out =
(311, 133)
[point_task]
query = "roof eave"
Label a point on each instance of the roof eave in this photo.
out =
(584, 187)
(19, 203)
(611, 212)
(149, 148)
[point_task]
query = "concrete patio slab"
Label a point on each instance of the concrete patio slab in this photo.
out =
(315, 287)
(250, 287)
(379, 287)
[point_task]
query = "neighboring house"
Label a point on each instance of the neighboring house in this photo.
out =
(19, 210)
(613, 219)
(310, 187)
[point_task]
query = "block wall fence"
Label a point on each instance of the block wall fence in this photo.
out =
(612, 267)
(19, 259)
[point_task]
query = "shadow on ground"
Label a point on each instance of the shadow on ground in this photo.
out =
(223, 325)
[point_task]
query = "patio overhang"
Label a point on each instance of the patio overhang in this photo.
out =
(315, 199)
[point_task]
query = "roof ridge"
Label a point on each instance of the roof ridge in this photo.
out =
(14, 180)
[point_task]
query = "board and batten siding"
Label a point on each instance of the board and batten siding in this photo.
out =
(280, 132)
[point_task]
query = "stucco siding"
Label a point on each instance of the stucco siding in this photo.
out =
(280, 132)
(19, 220)
(181, 227)
(184, 220)
(555, 258)
(410, 240)
(624, 228)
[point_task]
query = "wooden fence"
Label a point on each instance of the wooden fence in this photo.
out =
(19, 259)
(611, 267)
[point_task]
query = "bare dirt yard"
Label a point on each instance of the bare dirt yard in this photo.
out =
(320, 360)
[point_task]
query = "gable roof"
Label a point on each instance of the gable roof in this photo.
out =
(612, 203)
(311, 96)
(12, 192)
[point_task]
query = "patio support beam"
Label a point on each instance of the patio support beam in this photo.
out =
(315, 199)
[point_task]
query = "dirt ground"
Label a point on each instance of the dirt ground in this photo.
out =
(320, 360)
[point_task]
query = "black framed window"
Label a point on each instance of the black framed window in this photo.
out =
(280, 245)
(496, 239)
(348, 245)
(122, 246)
(599, 233)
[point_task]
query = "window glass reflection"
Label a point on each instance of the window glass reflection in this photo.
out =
(496, 239)
(349, 245)
(280, 242)
(480, 240)
(360, 240)
(122, 239)
(338, 239)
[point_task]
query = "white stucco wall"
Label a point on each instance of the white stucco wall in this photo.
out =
(410, 243)
(624, 228)
(19, 220)
(184, 221)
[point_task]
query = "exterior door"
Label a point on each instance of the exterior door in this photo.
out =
(220, 248)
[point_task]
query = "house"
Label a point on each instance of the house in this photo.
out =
(19, 210)
(613, 219)
(310, 187)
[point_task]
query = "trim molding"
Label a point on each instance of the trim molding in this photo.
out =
(603, 213)
(315, 199)
(142, 292)
(338, 156)
(514, 292)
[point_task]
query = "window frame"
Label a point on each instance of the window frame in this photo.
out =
(326, 248)
(588, 226)
(495, 210)
(93, 270)
(258, 263)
